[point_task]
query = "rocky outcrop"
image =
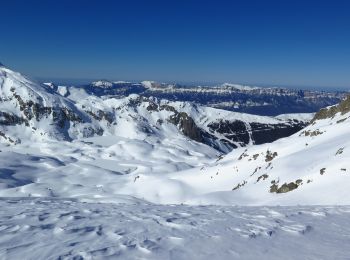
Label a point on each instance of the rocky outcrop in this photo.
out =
(286, 187)
(187, 126)
(11, 119)
(329, 112)
(235, 131)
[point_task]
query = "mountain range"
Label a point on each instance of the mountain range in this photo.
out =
(192, 153)
(39, 112)
(152, 171)
(268, 101)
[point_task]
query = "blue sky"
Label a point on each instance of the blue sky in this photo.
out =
(289, 43)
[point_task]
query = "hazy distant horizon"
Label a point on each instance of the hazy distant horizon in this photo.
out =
(85, 81)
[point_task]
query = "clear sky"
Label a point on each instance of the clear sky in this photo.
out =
(284, 42)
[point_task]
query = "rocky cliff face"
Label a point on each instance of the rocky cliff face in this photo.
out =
(256, 133)
(187, 126)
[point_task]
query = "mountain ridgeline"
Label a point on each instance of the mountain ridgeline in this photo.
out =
(253, 100)
(31, 111)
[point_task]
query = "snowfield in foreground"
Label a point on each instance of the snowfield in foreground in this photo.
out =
(67, 229)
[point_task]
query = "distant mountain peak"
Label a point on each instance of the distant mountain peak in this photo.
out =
(149, 83)
(238, 87)
(157, 85)
(2, 65)
(102, 84)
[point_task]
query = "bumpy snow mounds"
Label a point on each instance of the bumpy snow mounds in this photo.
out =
(65, 229)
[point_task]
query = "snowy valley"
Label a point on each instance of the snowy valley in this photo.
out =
(89, 173)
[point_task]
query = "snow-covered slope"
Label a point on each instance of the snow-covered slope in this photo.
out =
(33, 112)
(163, 151)
(310, 167)
(63, 150)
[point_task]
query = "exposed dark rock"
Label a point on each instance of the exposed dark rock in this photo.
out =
(273, 188)
(311, 133)
(11, 119)
(235, 131)
(187, 125)
(152, 107)
(341, 120)
(270, 156)
(101, 115)
(340, 151)
(286, 187)
(9, 139)
(244, 154)
(343, 107)
(263, 177)
(238, 131)
(256, 170)
(239, 185)
(264, 133)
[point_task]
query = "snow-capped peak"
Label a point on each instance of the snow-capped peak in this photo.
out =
(102, 84)
(51, 85)
(148, 83)
(237, 86)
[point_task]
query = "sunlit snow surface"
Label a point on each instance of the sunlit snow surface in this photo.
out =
(112, 196)
(66, 229)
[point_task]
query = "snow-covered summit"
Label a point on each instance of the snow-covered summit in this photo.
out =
(51, 85)
(148, 84)
(238, 87)
(102, 84)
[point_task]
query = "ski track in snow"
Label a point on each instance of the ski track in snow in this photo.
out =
(46, 228)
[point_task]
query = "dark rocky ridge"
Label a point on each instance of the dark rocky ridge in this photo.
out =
(236, 133)
(241, 132)
(187, 125)
(343, 107)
